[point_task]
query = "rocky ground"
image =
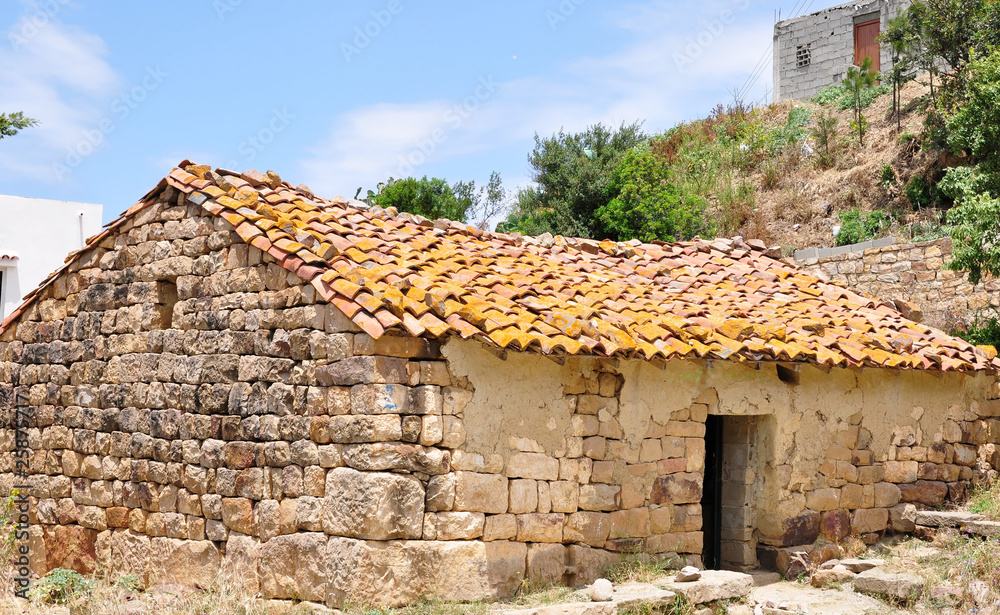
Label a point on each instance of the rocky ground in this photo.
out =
(951, 565)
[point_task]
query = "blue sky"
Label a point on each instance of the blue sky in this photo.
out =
(340, 95)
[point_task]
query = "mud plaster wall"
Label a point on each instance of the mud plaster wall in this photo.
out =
(838, 432)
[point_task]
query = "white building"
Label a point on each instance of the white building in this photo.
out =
(35, 237)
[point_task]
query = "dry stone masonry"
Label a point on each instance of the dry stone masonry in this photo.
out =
(913, 274)
(194, 410)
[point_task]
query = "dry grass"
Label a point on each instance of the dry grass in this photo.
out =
(795, 190)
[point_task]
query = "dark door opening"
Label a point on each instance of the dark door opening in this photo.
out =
(711, 500)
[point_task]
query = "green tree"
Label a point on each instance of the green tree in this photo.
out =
(649, 205)
(858, 81)
(572, 173)
(434, 198)
(903, 45)
(13, 123)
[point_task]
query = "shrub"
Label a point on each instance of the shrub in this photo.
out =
(886, 177)
(918, 191)
(837, 95)
(650, 205)
(825, 135)
(856, 227)
(59, 586)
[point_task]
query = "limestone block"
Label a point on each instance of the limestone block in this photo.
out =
(395, 573)
(130, 554)
(500, 527)
(931, 493)
(242, 561)
(632, 523)
(380, 399)
(565, 496)
(599, 497)
(426, 400)
(431, 430)
(533, 465)
(523, 496)
(540, 527)
(237, 514)
(440, 493)
(454, 432)
(586, 565)
(577, 470)
(193, 563)
(591, 528)
(364, 428)
(372, 505)
(453, 525)
(544, 497)
(886, 495)
(294, 566)
(476, 492)
(869, 520)
(309, 514)
(362, 370)
(396, 456)
(680, 488)
(900, 471)
(823, 499)
(546, 565)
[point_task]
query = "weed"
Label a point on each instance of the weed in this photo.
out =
(856, 227)
(886, 177)
(59, 586)
(771, 179)
(986, 501)
(641, 567)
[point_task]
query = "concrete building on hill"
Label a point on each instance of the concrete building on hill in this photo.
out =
(815, 51)
(348, 404)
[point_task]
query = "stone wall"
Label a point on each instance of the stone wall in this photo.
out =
(829, 37)
(915, 274)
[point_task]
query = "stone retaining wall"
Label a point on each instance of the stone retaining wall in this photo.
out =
(915, 274)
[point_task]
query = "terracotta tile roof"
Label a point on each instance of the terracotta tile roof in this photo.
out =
(721, 299)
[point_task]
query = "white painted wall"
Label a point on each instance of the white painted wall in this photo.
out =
(42, 233)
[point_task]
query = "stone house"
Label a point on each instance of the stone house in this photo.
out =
(341, 403)
(814, 51)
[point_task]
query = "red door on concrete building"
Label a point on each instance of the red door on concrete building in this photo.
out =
(866, 43)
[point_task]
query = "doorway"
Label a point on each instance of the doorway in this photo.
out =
(732, 484)
(866, 43)
(711, 501)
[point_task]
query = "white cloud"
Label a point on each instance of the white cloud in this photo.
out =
(642, 81)
(58, 75)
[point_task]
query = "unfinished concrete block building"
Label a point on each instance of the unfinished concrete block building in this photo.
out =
(815, 51)
(339, 403)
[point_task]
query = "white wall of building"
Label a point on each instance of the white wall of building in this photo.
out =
(41, 233)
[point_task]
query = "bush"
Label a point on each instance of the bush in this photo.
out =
(856, 227)
(838, 96)
(982, 332)
(60, 586)
(919, 192)
(650, 205)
